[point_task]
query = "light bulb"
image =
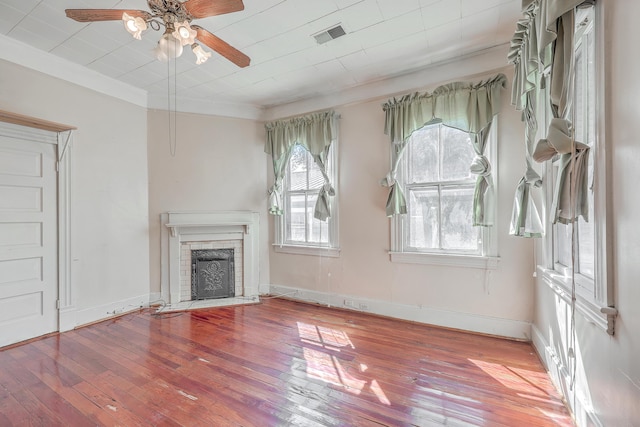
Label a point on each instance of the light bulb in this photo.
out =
(134, 25)
(184, 33)
(131, 25)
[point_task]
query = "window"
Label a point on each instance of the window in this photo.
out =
(589, 247)
(439, 191)
(584, 122)
(297, 229)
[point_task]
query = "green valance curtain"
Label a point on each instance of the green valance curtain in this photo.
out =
(315, 132)
(542, 53)
(469, 107)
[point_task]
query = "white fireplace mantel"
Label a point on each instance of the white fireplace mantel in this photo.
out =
(179, 227)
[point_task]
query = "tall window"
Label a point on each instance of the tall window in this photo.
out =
(584, 122)
(439, 190)
(302, 183)
(588, 251)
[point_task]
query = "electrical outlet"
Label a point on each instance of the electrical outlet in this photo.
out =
(363, 306)
(349, 303)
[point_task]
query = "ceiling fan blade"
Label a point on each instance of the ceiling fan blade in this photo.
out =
(222, 47)
(204, 8)
(90, 15)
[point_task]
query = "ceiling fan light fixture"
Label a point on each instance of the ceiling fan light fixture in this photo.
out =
(134, 25)
(175, 17)
(185, 33)
(168, 47)
(201, 54)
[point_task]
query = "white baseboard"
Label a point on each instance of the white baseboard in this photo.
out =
(263, 288)
(155, 297)
(67, 319)
(105, 311)
(560, 374)
(515, 329)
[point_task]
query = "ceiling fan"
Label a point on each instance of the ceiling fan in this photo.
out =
(175, 16)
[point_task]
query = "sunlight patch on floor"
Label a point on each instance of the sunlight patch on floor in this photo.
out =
(510, 379)
(323, 364)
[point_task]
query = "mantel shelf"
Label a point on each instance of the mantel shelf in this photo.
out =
(175, 226)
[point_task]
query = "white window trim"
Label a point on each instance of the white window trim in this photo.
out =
(597, 306)
(333, 248)
(487, 260)
(446, 259)
(324, 251)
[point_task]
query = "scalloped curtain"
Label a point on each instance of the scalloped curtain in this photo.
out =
(468, 107)
(315, 132)
(543, 56)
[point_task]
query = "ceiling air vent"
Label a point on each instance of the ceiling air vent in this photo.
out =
(330, 34)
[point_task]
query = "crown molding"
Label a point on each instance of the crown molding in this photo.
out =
(27, 56)
(207, 107)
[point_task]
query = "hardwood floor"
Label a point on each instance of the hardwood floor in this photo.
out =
(278, 363)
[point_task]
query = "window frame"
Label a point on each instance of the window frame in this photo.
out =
(594, 297)
(486, 258)
(332, 248)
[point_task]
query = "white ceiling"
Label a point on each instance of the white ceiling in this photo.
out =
(385, 38)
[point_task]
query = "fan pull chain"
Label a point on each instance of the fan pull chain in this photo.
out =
(173, 133)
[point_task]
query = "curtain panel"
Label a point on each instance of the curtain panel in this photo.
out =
(469, 107)
(315, 132)
(542, 53)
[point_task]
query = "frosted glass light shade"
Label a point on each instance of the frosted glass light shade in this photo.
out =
(168, 48)
(134, 25)
(201, 54)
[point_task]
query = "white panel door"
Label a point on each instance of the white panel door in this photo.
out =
(28, 239)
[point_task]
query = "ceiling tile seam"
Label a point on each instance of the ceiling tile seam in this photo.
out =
(68, 38)
(400, 37)
(248, 17)
(370, 48)
(422, 12)
(26, 15)
(112, 51)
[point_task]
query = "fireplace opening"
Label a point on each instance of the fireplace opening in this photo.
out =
(212, 274)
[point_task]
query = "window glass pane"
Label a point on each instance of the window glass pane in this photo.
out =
(591, 87)
(458, 232)
(318, 230)
(457, 154)
(586, 230)
(579, 97)
(298, 168)
(424, 231)
(296, 218)
(423, 155)
(563, 244)
(586, 241)
(316, 180)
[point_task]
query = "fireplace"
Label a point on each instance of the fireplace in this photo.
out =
(212, 274)
(220, 249)
(215, 244)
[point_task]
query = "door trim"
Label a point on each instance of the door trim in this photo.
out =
(66, 294)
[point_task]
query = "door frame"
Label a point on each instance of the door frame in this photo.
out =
(32, 129)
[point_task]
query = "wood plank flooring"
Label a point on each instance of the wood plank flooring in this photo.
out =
(278, 363)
